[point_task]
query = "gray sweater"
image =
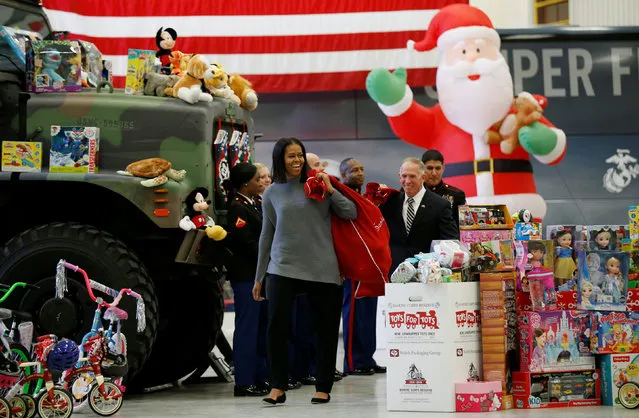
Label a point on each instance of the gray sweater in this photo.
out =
(296, 239)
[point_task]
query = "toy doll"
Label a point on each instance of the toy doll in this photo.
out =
(603, 239)
(586, 295)
(612, 285)
(536, 253)
(539, 353)
(564, 264)
(50, 64)
(165, 41)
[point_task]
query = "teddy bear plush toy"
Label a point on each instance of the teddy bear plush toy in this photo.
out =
(244, 90)
(218, 84)
(156, 84)
(526, 110)
(179, 62)
(189, 86)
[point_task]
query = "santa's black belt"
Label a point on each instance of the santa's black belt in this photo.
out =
(488, 165)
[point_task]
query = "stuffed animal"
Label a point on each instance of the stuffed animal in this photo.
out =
(218, 84)
(189, 86)
(527, 109)
(156, 84)
(157, 170)
(179, 62)
(165, 41)
(50, 64)
(244, 90)
(197, 218)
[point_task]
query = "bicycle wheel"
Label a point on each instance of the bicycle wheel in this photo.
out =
(29, 402)
(102, 406)
(5, 409)
(18, 407)
(59, 406)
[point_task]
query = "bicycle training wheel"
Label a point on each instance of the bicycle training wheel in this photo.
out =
(59, 405)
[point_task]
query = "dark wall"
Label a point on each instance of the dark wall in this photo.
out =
(591, 80)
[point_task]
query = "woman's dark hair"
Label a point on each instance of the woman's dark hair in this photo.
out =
(242, 173)
(561, 233)
(279, 151)
(536, 245)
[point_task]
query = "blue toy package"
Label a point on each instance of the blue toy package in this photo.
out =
(53, 66)
(74, 149)
(603, 280)
(527, 230)
(13, 42)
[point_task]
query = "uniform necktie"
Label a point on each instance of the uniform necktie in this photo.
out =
(410, 214)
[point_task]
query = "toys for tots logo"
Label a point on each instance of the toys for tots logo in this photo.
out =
(411, 321)
(469, 319)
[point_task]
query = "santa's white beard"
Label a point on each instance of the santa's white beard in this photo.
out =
(474, 106)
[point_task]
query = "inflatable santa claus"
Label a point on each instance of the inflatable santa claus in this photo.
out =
(475, 92)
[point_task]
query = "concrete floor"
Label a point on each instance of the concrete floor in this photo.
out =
(362, 395)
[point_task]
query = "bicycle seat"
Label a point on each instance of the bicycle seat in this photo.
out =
(5, 314)
(22, 316)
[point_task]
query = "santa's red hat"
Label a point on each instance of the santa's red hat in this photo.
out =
(455, 23)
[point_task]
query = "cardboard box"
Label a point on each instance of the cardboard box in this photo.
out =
(499, 327)
(433, 339)
(15, 42)
(20, 156)
(556, 390)
(468, 236)
(619, 375)
(555, 341)
(566, 300)
(478, 396)
(602, 280)
(485, 217)
(74, 149)
(492, 256)
(53, 66)
(139, 63)
(615, 332)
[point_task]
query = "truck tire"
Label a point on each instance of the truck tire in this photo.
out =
(192, 312)
(32, 257)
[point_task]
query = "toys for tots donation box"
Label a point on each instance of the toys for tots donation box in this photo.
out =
(433, 339)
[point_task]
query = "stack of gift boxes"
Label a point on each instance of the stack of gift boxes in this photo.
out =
(560, 316)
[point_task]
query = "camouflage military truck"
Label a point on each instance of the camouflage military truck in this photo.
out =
(122, 233)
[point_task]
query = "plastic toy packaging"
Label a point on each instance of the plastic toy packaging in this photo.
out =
(451, 254)
(404, 272)
(603, 280)
(53, 66)
(542, 290)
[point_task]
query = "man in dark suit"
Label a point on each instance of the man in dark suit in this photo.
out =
(416, 216)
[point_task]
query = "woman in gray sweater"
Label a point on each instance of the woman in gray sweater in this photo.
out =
(296, 255)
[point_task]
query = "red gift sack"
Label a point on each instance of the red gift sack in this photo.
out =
(362, 244)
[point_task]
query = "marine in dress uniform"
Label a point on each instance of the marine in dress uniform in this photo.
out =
(249, 339)
(359, 316)
(434, 169)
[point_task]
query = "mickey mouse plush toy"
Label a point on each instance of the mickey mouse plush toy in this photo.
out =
(165, 41)
(197, 218)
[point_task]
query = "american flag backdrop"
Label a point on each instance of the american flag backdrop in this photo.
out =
(279, 45)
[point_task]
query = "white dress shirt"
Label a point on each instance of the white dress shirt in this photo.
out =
(417, 200)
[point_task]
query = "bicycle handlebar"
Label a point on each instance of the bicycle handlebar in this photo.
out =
(61, 288)
(12, 287)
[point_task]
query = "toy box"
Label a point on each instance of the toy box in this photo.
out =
(433, 339)
(525, 231)
(555, 341)
(615, 332)
(468, 236)
(603, 280)
(139, 63)
(74, 149)
(478, 396)
(542, 290)
(620, 380)
(492, 256)
(53, 66)
(107, 71)
(21, 156)
(531, 256)
(632, 304)
(484, 217)
(92, 64)
(556, 390)
(499, 328)
(14, 43)
(566, 300)
(602, 237)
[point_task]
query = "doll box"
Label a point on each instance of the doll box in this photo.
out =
(556, 390)
(478, 396)
(632, 304)
(21, 156)
(492, 256)
(92, 64)
(555, 341)
(602, 237)
(525, 231)
(74, 149)
(53, 66)
(566, 300)
(468, 236)
(15, 42)
(530, 255)
(139, 63)
(602, 280)
(484, 217)
(615, 332)
(620, 378)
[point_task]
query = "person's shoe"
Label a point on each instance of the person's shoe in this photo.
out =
(266, 386)
(279, 399)
(340, 374)
(379, 369)
(316, 401)
(251, 390)
(362, 372)
(337, 376)
(309, 380)
(292, 385)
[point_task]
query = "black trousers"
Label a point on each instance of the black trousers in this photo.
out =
(325, 300)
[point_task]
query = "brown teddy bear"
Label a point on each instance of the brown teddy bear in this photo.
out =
(244, 90)
(526, 110)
